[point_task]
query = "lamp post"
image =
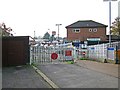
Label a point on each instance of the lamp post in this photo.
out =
(58, 30)
(34, 34)
(110, 19)
(119, 9)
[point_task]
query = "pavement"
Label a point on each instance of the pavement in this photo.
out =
(22, 77)
(106, 68)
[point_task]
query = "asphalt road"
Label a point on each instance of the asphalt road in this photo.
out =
(63, 75)
(22, 77)
(72, 76)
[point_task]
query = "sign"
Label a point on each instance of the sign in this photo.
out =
(111, 53)
(68, 53)
(92, 48)
(84, 46)
(54, 56)
(76, 44)
(53, 32)
(85, 42)
(111, 48)
(93, 39)
(83, 53)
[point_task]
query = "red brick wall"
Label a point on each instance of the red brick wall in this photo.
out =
(84, 34)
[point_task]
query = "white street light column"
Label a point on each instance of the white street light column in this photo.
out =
(110, 22)
(34, 34)
(58, 30)
(119, 9)
(110, 19)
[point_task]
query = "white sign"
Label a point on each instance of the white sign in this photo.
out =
(93, 39)
(83, 46)
(68, 58)
(111, 53)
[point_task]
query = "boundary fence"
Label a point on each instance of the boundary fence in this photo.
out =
(104, 52)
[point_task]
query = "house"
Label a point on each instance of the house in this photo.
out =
(86, 30)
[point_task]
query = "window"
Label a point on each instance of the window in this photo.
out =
(76, 30)
(95, 30)
(90, 30)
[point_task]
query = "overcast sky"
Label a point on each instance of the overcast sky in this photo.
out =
(27, 16)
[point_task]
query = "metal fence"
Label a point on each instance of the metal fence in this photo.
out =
(51, 55)
(103, 51)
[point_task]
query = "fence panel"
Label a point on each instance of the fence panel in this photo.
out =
(97, 52)
(103, 51)
(51, 55)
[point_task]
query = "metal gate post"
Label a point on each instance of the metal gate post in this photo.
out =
(31, 55)
(116, 55)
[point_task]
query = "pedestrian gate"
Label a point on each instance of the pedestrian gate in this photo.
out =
(51, 55)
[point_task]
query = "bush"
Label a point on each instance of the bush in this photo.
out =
(70, 62)
(83, 58)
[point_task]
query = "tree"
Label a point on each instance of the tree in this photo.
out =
(52, 38)
(46, 35)
(116, 27)
(5, 31)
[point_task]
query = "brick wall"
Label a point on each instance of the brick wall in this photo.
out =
(85, 33)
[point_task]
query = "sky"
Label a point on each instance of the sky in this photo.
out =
(41, 16)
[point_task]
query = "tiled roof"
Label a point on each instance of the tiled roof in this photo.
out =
(85, 24)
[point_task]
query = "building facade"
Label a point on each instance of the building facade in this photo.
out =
(86, 30)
